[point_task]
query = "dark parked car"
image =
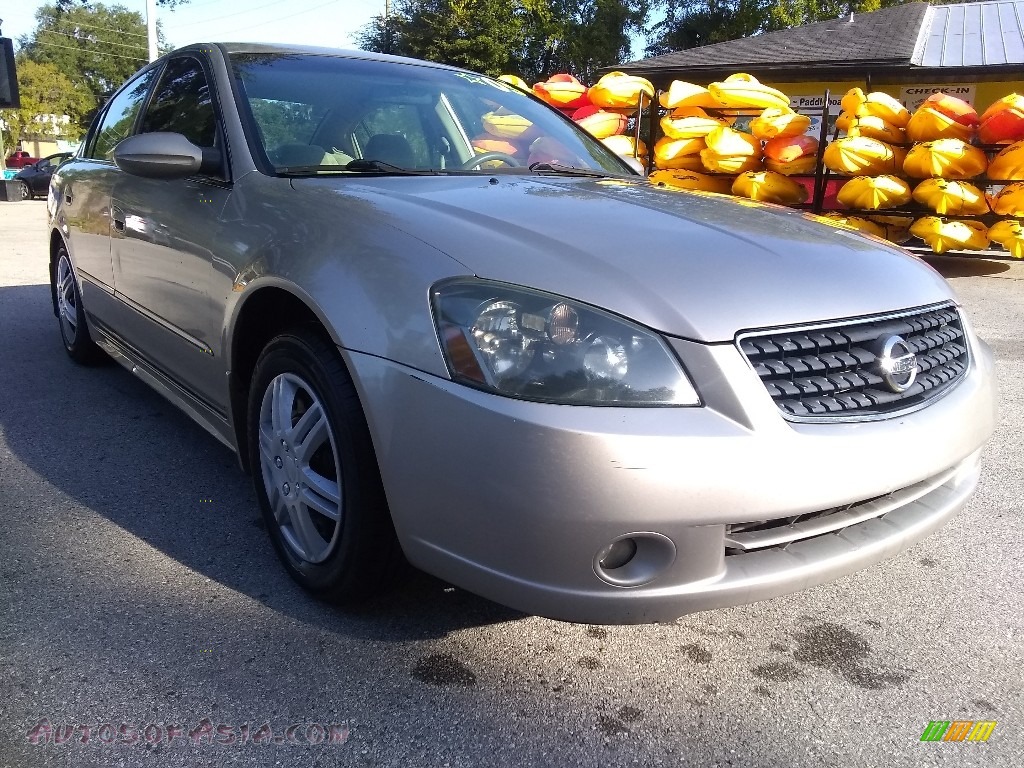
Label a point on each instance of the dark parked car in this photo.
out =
(35, 178)
(434, 317)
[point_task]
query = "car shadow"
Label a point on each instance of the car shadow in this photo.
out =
(113, 445)
(966, 266)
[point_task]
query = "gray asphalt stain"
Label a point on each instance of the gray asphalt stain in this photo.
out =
(988, 706)
(613, 725)
(597, 632)
(779, 671)
(763, 690)
(928, 562)
(845, 653)
(697, 653)
(589, 662)
(779, 647)
(443, 669)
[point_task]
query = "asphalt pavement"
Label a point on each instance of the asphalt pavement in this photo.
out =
(140, 598)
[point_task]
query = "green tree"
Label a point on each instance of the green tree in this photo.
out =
(46, 96)
(692, 23)
(97, 47)
(530, 38)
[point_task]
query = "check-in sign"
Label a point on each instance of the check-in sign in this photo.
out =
(913, 96)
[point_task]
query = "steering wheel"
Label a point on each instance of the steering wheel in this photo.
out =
(484, 157)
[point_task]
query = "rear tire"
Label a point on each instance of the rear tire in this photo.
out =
(26, 192)
(315, 472)
(74, 327)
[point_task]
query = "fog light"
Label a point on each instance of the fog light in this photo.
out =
(618, 554)
(634, 559)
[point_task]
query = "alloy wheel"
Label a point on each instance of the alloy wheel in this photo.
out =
(301, 467)
(67, 300)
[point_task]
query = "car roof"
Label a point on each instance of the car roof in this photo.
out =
(313, 50)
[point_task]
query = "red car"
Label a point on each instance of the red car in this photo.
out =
(20, 160)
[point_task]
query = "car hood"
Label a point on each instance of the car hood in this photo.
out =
(694, 265)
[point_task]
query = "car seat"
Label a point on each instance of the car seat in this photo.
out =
(390, 148)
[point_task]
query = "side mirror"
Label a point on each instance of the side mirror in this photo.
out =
(164, 156)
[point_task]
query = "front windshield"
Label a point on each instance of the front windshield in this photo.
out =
(317, 114)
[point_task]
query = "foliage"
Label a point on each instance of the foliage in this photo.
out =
(531, 38)
(96, 47)
(692, 23)
(45, 92)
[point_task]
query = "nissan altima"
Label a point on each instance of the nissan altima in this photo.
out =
(438, 322)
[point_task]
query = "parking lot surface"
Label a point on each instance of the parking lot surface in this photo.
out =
(140, 597)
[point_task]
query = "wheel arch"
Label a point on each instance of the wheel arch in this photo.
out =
(263, 313)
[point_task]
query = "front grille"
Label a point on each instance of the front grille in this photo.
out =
(741, 538)
(833, 371)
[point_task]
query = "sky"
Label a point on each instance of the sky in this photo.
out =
(330, 23)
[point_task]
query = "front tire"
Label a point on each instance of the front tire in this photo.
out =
(315, 473)
(74, 327)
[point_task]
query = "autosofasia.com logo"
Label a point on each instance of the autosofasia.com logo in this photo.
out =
(958, 730)
(205, 732)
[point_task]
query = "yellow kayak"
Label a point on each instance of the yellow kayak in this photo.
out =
(690, 122)
(942, 235)
(1008, 165)
(873, 193)
(732, 164)
(779, 123)
(599, 123)
(897, 228)
(1003, 121)
(1009, 234)
(626, 146)
(621, 91)
(945, 159)
(769, 187)
(562, 91)
(743, 91)
(861, 156)
(929, 124)
(505, 125)
(947, 196)
(692, 180)
(515, 81)
(851, 100)
(1010, 200)
(726, 141)
(683, 94)
(679, 153)
(875, 127)
(801, 166)
(884, 106)
(845, 120)
(788, 148)
(856, 223)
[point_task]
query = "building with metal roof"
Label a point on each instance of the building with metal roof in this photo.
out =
(975, 50)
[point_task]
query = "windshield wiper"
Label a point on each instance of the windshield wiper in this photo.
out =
(379, 166)
(567, 170)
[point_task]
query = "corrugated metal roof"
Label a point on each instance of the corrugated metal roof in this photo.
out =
(974, 35)
(911, 36)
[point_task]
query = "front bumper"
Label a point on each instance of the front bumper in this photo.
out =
(515, 500)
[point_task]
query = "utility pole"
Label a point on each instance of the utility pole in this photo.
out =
(151, 29)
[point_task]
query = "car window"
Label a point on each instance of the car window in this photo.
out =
(182, 103)
(317, 113)
(119, 118)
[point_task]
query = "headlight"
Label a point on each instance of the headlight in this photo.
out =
(535, 346)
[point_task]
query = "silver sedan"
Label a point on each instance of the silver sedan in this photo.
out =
(438, 322)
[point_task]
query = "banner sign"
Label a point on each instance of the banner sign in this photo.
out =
(913, 96)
